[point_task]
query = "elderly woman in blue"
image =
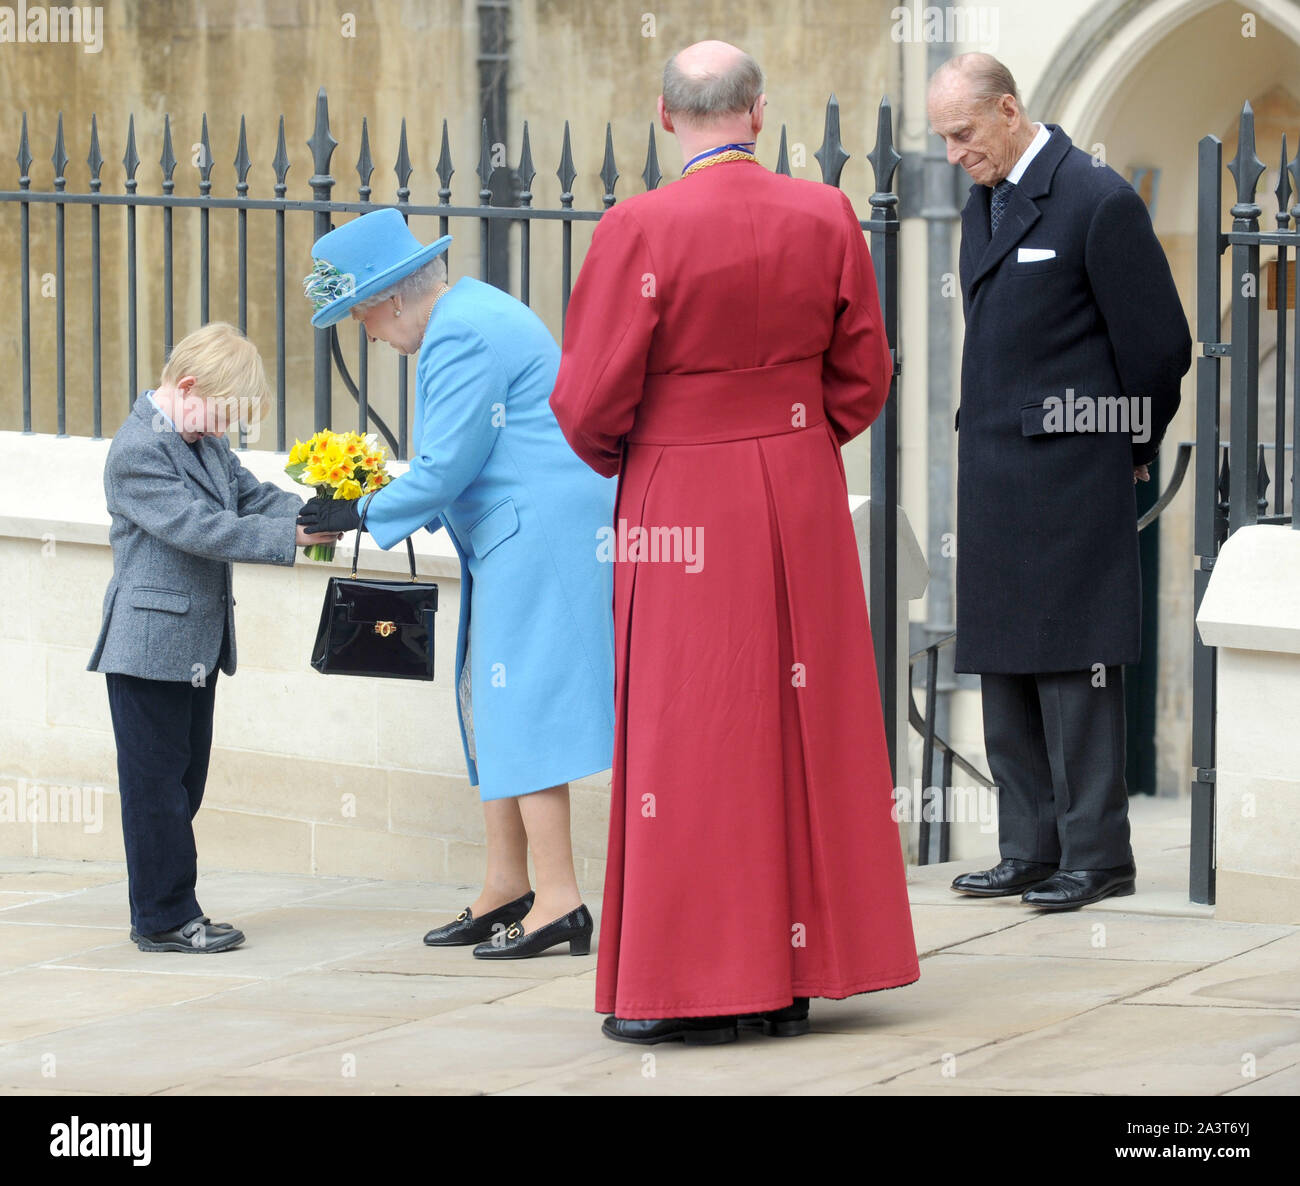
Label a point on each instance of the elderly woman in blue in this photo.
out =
(535, 649)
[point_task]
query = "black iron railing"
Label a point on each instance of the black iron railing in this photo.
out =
(882, 226)
(1241, 480)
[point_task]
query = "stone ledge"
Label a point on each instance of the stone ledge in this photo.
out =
(1253, 599)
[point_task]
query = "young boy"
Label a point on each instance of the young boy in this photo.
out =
(182, 508)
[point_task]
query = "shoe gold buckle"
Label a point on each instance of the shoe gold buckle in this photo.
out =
(462, 916)
(514, 932)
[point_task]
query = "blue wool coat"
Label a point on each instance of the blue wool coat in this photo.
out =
(490, 464)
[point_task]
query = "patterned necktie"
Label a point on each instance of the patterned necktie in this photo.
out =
(998, 203)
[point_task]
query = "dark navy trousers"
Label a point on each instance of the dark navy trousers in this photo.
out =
(164, 739)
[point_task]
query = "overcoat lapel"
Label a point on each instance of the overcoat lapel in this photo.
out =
(1022, 211)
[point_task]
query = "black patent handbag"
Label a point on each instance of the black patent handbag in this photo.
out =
(376, 628)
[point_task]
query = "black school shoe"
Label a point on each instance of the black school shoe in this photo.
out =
(216, 926)
(515, 943)
(789, 1022)
(693, 1031)
(465, 929)
(196, 937)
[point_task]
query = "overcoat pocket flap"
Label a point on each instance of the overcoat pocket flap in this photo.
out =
(164, 599)
(496, 525)
(1034, 420)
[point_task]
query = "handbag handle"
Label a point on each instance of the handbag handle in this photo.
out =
(356, 550)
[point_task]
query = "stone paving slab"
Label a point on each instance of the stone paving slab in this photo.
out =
(47, 1000)
(1127, 1048)
(280, 942)
(335, 994)
(1267, 977)
(414, 959)
(816, 1064)
(937, 927)
(1086, 935)
(25, 944)
(971, 999)
(482, 1047)
(152, 1049)
(1283, 1082)
(330, 991)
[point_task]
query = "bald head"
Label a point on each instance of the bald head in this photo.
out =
(709, 82)
(974, 106)
(979, 76)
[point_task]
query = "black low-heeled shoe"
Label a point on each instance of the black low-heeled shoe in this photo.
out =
(789, 1022)
(515, 943)
(693, 1031)
(465, 929)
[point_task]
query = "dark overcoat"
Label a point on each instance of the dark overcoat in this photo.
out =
(1073, 324)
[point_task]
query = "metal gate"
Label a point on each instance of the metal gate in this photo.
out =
(1232, 475)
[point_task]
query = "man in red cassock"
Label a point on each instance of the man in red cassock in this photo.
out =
(724, 339)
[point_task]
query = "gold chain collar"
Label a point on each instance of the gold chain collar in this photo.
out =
(732, 154)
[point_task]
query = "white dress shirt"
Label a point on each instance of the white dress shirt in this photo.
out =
(1026, 157)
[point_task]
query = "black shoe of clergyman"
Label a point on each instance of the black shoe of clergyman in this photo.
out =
(515, 943)
(694, 1031)
(195, 937)
(465, 930)
(1008, 876)
(1068, 889)
(789, 1022)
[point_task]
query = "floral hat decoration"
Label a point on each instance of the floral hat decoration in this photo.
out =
(360, 259)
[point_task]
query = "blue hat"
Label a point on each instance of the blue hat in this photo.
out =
(362, 258)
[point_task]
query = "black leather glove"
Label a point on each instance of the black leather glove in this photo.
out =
(329, 515)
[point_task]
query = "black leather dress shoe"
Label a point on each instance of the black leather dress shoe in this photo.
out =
(694, 1031)
(465, 930)
(1068, 889)
(1008, 876)
(515, 943)
(789, 1022)
(195, 937)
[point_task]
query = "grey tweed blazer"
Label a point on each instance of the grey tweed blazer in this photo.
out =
(180, 516)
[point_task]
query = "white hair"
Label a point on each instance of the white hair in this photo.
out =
(412, 286)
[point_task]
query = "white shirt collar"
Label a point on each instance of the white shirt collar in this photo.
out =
(158, 408)
(1026, 158)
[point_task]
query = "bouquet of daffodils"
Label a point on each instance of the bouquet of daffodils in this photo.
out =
(338, 465)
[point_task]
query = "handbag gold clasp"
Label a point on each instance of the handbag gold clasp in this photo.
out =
(384, 629)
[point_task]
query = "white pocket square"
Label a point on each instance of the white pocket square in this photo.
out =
(1029, 255)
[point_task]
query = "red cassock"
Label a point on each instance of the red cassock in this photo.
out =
(724, 339)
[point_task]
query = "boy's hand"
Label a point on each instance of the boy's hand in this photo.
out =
(305, 539)
(329, 515)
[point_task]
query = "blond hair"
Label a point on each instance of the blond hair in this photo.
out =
(226, 367)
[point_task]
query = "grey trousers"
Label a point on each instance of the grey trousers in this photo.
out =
(1055, 746)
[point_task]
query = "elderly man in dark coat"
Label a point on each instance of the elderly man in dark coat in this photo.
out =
(1075, 346)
